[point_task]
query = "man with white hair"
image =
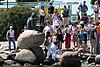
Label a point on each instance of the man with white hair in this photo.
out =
(11, 37)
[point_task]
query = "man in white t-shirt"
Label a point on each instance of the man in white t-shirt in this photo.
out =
(48, 28)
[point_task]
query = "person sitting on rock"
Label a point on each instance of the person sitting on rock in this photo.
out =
(31, 22)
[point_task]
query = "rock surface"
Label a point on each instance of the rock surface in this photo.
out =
(38, 52)
(25, 56)
(30, 38)
(97, 59)
(70, 59)
(1, 61)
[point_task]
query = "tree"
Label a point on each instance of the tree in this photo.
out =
(16, 16)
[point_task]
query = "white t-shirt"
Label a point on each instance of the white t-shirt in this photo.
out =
(48, 28)
(42, 12)
(11, 32)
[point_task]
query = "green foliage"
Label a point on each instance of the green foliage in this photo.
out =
(16, 16)
(1, 3)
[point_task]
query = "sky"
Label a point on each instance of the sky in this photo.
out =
(74, 7)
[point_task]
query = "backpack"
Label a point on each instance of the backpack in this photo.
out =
(65, 13)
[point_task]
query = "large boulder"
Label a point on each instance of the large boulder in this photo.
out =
(25, 56)
(70, 59)
(30, 38)
(38, 52)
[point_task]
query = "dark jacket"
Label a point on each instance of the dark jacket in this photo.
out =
(51, 10)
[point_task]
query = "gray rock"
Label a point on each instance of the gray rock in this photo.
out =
(4, 56)
(38, 52)
(30, 38)
(16, 65)
(91, 59)
(56, 65)
(97, 59)
(97, 65)
(48, 61)
(9, 62)
(5, 66)
(70, 59)
(25, 56)
(30, 65)
(91, 65)
(11, 56)
(1, 61)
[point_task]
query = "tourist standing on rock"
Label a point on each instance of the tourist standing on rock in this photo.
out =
(83, 8)
(98, 37)
(68, 36)
(59, 38)
(55, 20)
(93, 38)
(65, 14)
(74, 32)
(78, 14)
(31, 22)
(11, 37)
(42, 15)
(48, 29)
(96, 11)
(85, 33)
(50, 12)
(85, 18)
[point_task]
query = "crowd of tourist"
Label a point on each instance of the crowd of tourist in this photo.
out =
(58, 31)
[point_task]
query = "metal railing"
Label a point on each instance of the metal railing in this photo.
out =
(29, 4)
(57, 4)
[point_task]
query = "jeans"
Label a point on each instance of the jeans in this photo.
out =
(93, 46)
(51, 51)
(98, 44)
(9, 42)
